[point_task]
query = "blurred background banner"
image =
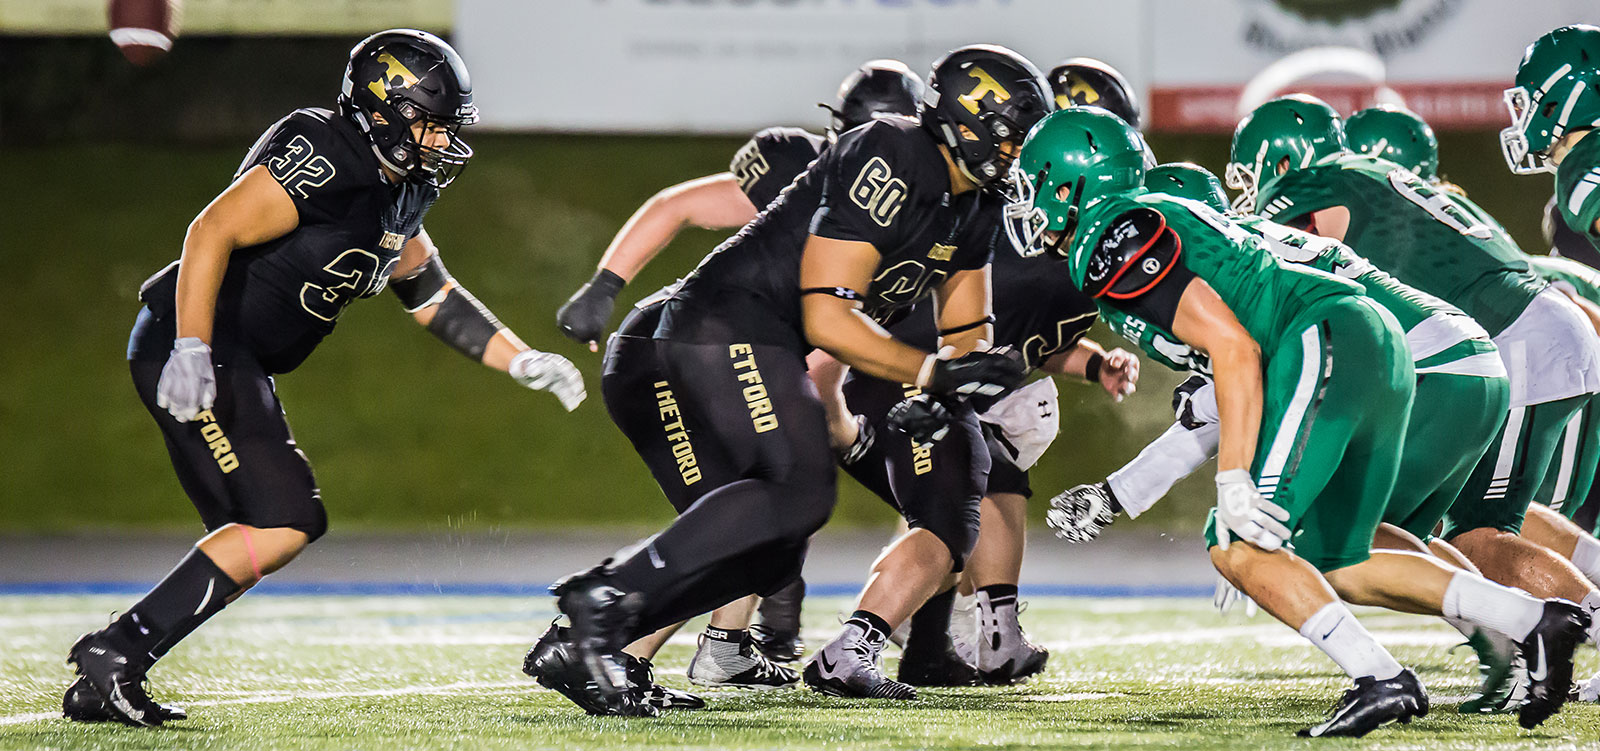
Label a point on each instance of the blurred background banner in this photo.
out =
(733, 65)
(238, 17)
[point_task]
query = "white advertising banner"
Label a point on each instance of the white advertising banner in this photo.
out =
(733, 66)
(738, 65)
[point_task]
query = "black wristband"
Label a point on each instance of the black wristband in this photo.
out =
(611, 283)
(1091, 369)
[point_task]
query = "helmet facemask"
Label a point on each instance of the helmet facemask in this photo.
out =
(1245, 178)
(1027, 223)
(1514, 143)
(436, 166)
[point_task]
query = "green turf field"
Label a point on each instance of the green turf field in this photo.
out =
(442, 672)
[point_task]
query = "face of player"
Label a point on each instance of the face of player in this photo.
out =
(431, 135)
(1564, 144)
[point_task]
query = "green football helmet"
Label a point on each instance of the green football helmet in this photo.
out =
(1297, 129)
(1554, 95)
(1072, 159)
(1396, 134)
(1187, 180)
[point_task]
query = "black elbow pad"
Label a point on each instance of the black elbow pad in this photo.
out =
(423, 287)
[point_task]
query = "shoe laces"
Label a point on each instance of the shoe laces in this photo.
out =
(764, 667)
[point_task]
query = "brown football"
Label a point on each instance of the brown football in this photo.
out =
(144, 29)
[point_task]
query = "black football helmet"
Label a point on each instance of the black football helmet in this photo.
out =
(878, 87)
(1087, 81)
(979, 97)
(402, 76)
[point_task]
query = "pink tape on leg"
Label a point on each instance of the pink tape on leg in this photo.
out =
(250, 550)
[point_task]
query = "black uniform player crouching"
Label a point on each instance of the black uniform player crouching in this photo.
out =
(879, 222)
(326, 207)
(733, 651)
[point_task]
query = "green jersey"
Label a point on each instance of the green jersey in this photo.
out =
(1583, 280)
(1578, 188)
(1136, 254)
(1434, 328)
(1430, 238)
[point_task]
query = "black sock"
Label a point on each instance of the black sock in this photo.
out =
(734, 635)
(873, 622)
(192, 592)
(1000, 594)
(930, 625)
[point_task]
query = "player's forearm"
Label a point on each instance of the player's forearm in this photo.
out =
(1148, 477)
(467, 326)
(1237, 367)
(968, 340)
(200, 272)
(1075, 361)
(713, 202)
(856, 341)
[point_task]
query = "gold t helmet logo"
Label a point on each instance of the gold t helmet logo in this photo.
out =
(392, 69)
(1078, 92)
(986, 86)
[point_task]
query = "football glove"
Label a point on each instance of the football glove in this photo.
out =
(866, 435)
(548, 371)
(402, 220)
(584, 316)
(923, 417)
(1184, 407)
(1242, 511)
(1227, 596)
(1078, 515)
(188, 382)
(982, 372)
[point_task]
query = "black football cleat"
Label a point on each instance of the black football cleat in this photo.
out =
(115, 678)
(777, 635)
(1547, 653)
(82, 704)
(602, 617)
(554, 663)
(651, 694)
(1371, 704)
(939, 665)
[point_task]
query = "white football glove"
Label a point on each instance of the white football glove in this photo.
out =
(188, 382)
(1227, 596)
(1079, 514)
(548, 371)
(1243, 512)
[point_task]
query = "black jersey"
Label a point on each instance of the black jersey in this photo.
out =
(771, 159)
(1037, 310)
(883, 183)
(280, 298)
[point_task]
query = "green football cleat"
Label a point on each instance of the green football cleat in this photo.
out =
(1495, 654)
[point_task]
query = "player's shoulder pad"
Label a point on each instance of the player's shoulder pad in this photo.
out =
(310, 152)
(785, 137)
(1578, 186)
(1134, 251)
(892, 139)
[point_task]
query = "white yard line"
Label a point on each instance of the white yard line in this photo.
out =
(280, 697)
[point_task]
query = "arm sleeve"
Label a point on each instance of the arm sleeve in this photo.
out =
(867, 177)
(312, 163)
(1136, 265)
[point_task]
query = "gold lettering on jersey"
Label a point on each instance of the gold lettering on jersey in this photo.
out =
(392, 69)
(986, 86)
(941, 252)
(677, 436)
(217, 441)
(755, 390)
(921, 453)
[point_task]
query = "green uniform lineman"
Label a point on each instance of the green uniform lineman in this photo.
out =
(1567, 484)
(1434, 240)
(1461, 393)
(1337, 374)
(1554, 102)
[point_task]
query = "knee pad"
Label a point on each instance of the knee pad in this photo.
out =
(957, 528)
(312, 520)
(808, 508)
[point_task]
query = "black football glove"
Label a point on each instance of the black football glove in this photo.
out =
(1183, 401)
(584, 316)
(984, 373)
(923, 417)
(403, 219)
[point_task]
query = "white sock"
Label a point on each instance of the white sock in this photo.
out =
(1586, 556)
(1171, 457)
(1591, 605)
(1475, 599)
(1335, 631)
(1464, 627)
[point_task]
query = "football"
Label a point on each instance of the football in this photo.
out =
(144, 29)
